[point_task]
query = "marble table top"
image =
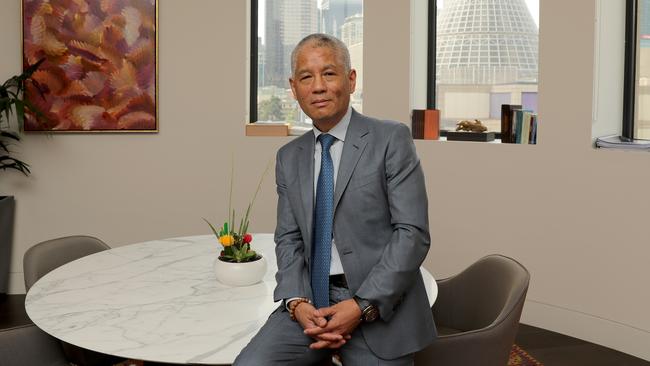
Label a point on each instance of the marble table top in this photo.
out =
(157, 301)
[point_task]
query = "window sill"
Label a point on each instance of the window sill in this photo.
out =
(444, 139)
(619, 143)
(267, 129)
(274, 129)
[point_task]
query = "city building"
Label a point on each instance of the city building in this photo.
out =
(335, 12)
(487, 55)
(352, 30)
(287, 21)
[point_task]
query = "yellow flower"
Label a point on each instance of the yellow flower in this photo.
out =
(226, 240)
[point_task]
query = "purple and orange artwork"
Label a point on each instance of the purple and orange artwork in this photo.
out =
(99, 72)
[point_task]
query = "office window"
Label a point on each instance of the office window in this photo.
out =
(636, 105)
(277, 26)
(486, 53)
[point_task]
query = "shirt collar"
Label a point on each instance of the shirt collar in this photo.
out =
(340, 129)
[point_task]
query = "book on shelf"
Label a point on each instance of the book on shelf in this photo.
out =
(507, 122)
(517, 121)
(533, 130)
(527, 117)
(425, 124)
(524, 130)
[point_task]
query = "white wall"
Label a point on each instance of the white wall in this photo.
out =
(574, 216)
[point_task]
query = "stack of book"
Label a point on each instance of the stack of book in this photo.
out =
(518, 126)
(425, 124)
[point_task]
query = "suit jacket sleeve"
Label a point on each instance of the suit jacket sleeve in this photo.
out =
(400, 262)
(289, 248)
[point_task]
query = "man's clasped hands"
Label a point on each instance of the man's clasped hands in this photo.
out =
(330, 327)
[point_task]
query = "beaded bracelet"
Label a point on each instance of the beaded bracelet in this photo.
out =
(294, 304)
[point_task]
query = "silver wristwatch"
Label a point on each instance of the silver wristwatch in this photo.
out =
(369, 312)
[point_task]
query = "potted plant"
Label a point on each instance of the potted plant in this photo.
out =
(238, 264)
(12, 103)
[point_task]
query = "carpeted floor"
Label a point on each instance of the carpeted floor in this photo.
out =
(519, 357)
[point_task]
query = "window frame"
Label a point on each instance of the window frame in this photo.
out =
(432, 54)
(432, 18)
(630, 62)
(254, 59)
(253, 80)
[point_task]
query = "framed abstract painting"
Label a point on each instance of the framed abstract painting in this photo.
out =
(100, 68)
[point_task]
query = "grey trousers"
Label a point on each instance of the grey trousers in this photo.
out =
(281, 341)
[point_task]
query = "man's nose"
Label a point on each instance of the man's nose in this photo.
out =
(319, 85)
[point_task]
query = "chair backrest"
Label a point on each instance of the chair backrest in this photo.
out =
(48, 255)
(480, 309)
(28, 345)
(482, 294)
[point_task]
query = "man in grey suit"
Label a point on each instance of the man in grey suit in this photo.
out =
(352, 229)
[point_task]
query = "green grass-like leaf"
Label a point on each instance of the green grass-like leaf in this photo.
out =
(212, 227)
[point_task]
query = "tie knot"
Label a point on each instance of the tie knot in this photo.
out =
(326, 141)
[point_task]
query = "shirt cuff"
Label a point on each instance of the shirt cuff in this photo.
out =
(287, 301)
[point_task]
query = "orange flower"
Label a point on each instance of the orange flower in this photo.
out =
(226, 240)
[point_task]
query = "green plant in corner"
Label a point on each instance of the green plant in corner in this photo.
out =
(12, 102)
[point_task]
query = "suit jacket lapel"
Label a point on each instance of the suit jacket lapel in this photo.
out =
(306, 176)
(353, 148)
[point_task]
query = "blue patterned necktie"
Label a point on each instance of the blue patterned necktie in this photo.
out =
(323, 217)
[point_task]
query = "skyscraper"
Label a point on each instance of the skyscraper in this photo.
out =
(335, 12)
(287, 21)
(352, 30)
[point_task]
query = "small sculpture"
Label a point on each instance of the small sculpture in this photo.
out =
(471, 126)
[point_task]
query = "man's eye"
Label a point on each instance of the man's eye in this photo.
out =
(306, 77)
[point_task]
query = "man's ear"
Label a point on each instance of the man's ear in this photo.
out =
(293, 89)
(352, 77)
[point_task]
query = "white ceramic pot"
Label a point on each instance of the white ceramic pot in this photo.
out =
(240, 274)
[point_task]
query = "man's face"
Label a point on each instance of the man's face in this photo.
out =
(321, 85)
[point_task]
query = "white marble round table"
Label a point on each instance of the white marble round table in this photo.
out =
(157, 301)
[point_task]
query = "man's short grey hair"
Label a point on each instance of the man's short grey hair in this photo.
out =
(322, 40)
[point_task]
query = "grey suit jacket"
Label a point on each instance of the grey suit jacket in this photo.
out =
(380, 227)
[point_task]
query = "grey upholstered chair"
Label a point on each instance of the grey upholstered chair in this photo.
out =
(48, 255)
(43, 257)
(477, 314)
(27, 345)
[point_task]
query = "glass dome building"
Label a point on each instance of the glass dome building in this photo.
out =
(486, 56)
(486, 42)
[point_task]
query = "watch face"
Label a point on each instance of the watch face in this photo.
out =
(370, 314)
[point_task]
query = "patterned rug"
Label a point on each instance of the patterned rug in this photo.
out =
(519, 357)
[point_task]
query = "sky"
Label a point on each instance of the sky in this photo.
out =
(533, 7)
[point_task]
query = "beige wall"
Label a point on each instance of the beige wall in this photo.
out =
(574, 216)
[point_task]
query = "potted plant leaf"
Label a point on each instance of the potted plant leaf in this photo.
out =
(238, 264)
(13, 106)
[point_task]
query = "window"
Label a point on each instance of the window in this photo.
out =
(636, 103)
(486, 54)
(276, 27)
